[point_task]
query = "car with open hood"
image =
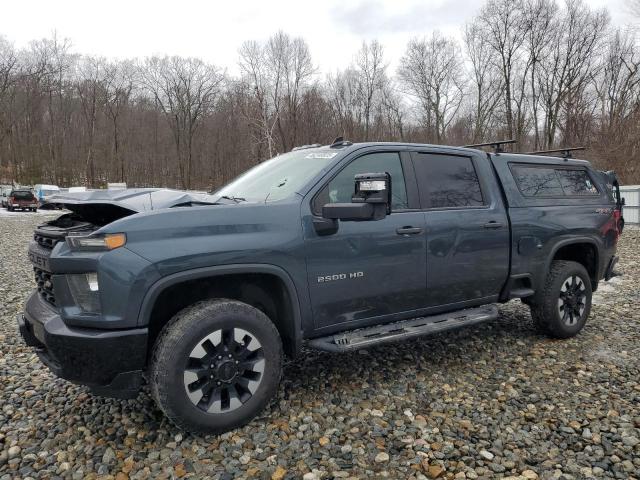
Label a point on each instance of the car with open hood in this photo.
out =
(337, 248)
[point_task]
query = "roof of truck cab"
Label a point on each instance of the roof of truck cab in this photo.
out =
(358, 145)
(512, 157)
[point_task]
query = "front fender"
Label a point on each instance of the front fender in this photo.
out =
(163, 283)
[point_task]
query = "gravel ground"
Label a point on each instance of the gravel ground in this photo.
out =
(497, 400)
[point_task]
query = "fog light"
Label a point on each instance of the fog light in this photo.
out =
(92, 280)
(85, 291)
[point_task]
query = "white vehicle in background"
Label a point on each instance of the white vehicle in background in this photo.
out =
(5, 190)
(43, 192)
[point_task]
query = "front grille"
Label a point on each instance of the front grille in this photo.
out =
(46, 242)
(45, 286)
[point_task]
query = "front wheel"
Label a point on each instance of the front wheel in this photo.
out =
(215, 366)
(562, 308)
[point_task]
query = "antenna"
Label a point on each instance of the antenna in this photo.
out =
(566, 152)
(497, 145)
(340, 142)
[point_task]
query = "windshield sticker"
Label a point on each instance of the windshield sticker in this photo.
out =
(321, 155)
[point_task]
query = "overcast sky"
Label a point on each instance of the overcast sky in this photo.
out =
(213, 30)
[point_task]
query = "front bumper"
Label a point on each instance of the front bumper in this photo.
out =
(110, 362)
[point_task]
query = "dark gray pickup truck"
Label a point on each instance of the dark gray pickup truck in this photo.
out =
(334, 247)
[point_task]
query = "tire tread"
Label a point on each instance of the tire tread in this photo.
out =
(169, 337)
(544, 305)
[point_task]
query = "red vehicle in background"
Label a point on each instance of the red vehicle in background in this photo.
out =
(23, 200)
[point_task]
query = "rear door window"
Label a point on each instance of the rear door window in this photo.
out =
(447, 181)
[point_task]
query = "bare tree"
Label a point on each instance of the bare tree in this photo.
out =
(52, 68)
(91, 75)
(504, 22)
(431, 70)
(487, 83)
(119, 82)
(343, 95)
(617, 86)
(264, 114)
(290, 61)
(9, 73)
(392, 113)
(540, 17)
(568, 65)
(186, 90)
(371, 76)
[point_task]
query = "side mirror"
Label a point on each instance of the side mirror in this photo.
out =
(371, 200)
(373, 188)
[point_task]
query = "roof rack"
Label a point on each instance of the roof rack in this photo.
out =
(566, 152)
(340, 142)
(304, 147)
(497, 145)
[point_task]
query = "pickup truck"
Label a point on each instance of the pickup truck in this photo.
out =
(337, 248)
(23, 200)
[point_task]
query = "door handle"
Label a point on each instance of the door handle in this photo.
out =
(493, 225)
(408, 230)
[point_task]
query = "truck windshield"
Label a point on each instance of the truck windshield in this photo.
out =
(279, 177)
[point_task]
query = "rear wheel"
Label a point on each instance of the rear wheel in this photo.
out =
(216, 365)
(562, 308)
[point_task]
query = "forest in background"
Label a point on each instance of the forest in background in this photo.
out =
(544, 73)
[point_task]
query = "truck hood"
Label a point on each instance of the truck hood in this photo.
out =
(101, 207)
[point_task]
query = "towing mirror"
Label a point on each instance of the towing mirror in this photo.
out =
(370, 200)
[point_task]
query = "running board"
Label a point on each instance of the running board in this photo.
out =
(405, 329)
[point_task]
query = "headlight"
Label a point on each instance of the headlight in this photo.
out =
(108, 241)
(85, 291)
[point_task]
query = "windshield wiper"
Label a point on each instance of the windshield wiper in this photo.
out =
(234, 199)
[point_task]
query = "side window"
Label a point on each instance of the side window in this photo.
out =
(341, 187)
(447, 181)
(537, 182)
(553, 182)
(576, 182)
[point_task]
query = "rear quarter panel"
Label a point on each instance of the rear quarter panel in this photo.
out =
(540, 226)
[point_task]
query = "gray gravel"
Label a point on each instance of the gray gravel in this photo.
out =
(491, 401)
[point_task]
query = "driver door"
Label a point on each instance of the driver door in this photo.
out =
(367, 271)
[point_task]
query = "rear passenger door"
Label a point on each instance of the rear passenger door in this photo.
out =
(467, 228)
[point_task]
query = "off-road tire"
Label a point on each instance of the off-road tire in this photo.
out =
(545, 309)
(174, 345)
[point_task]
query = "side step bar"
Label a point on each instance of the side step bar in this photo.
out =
(405, 329)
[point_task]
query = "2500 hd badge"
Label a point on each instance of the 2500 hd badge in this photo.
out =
(340, 276)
